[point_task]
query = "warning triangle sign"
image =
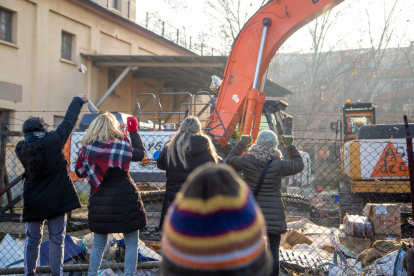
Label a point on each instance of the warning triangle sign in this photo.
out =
(390, 164)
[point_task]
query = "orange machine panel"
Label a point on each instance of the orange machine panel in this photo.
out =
(287, 17)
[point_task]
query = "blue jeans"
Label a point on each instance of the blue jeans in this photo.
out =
(34, 234)
(131, 253)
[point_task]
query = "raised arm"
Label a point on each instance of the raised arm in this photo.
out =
(138, 150)
(234, 158)
(64, 130)
(295, 164)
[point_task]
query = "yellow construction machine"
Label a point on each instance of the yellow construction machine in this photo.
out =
(373, 159)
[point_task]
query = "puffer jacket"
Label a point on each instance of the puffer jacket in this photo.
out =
(177, 175)
(117, 207)
(52, 192)
(269, 197)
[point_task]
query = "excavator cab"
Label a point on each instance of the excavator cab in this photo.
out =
(277, 120)
(355, 115)
(273, 118)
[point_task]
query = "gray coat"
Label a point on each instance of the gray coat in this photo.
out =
(270, 196)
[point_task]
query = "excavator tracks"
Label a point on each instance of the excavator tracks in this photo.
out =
(296, 204)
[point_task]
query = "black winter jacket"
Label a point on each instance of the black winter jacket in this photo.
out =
(117, 206)
(52, 193)
(177, 175)
(270, 196)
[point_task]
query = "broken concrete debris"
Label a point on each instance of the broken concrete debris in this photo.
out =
(371, 244)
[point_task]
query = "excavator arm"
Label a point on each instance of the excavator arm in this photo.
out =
(257, 43)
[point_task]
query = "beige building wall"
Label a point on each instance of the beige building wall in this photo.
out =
(32, 65)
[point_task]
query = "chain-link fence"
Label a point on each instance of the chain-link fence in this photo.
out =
(340, 180)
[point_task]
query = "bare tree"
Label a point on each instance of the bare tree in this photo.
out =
(409, 57)
(227, 20)
(378, 47)
(322, 77)
(313, 75)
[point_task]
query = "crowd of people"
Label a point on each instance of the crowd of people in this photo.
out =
(213, 221)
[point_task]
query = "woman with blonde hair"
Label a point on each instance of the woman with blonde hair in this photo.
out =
(115, 205)
(188, 149)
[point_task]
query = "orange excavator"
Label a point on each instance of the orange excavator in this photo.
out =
(241, 103)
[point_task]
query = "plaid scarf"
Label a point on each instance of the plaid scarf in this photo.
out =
(95, 159)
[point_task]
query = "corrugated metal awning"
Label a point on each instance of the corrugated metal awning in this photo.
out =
(191, 73)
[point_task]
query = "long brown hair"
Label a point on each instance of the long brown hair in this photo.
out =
(180, 143)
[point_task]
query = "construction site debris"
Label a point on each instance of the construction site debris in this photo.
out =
(385, 237)
(386, 218)
(293, 238)
(215, 82)
(408, 262)
(390, 264)
(72, 251)
(380, 249)
(342, 266)
(358, 226)
(355, 244)
(11, 251)
(299, 262)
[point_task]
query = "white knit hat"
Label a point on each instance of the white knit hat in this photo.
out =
(267, 138)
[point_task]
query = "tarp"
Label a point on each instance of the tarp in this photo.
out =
(71, 251)
(10, 252)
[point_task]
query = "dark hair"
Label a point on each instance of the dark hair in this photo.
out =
(30, 155)
(34, 124)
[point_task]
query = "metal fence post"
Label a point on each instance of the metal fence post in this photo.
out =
(409, 139)
(2, 164)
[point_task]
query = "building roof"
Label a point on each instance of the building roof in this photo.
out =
(192, 73)
(136, 27)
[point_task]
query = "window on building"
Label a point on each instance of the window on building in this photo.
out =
(6, 25)
(67, 43)
(116, 4)
(408, 107)
(111, 77)
(324, 154)
(57, 120)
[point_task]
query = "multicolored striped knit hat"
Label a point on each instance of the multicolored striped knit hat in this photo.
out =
(215, 227)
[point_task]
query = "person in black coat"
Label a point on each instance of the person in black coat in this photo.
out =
(115, 205)
(188, 149)
(48, 191)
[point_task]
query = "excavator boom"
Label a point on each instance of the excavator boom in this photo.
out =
(238, 97)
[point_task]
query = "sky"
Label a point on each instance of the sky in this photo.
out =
(350, 25)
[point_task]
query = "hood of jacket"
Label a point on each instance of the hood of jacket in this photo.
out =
(198, 144)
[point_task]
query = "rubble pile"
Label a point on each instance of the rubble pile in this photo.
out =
(363, 245)
(370, 244)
